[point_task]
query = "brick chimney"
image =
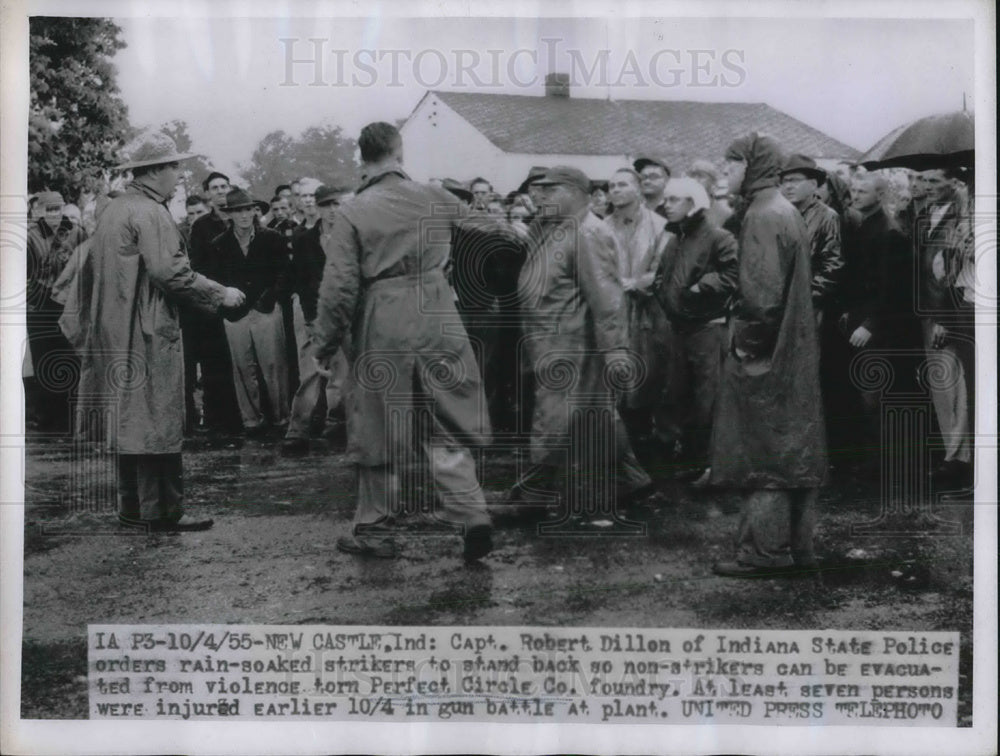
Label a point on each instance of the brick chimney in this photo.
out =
(557, 85)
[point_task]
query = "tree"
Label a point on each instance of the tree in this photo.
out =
(193, 170)
(322, 152)
(77, 120)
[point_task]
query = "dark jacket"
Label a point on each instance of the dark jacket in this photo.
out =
(704, 254)
(940, 245)
(877, 290)
(827, 262)
(307, 268)
(204, 231)
(262, 274)
(287, 229)
(768, 430)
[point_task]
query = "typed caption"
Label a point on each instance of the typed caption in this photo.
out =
(522, 674)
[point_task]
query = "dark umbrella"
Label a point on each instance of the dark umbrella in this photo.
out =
(939, 141)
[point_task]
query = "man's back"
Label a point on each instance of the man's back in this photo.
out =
(399, 225)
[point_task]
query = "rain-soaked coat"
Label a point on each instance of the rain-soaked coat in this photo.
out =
(384, 296)
(571, 299)
(641, 243)
(121, 317)
(768, 430)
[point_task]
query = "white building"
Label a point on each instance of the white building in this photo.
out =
(462, 135)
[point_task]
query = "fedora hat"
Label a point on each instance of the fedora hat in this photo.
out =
(237, 199)
(153, 148)
(806, 166)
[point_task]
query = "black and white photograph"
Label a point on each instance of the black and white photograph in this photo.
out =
(525, 378)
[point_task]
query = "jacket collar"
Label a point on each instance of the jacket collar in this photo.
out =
(140, 187)
(808, 204)
(630, 218)
(689, 225)
(761, 184)
(372, 180)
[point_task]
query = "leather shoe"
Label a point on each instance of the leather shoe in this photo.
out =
(704, 480)
(294, 447)
(381, 549)
(478, 542)
(953, 472)
(740, 570)
(186, 524)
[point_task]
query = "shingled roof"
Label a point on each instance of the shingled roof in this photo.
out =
(678, 130)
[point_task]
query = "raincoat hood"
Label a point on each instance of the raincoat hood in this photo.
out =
(764, 159)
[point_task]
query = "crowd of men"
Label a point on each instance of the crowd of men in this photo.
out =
(706, 326)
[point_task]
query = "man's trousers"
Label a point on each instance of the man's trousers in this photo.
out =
(311, 383)
(776, 527)
(948, 388)
(257, 346)
(698, 351)
(460, 499)
(150, 486)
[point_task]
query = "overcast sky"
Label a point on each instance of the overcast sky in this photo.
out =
(231, 79)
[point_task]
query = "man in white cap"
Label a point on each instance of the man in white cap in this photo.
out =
(700, 277)
(127, 333)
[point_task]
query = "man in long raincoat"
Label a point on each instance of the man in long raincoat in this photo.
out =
(122, 317)
(576, 342)
(384, 282)
(768, 435)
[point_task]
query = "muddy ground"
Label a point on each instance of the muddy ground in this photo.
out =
(271, 558)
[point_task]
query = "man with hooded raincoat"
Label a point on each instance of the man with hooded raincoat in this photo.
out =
(121, 316)
(384, 283)
(768, 435)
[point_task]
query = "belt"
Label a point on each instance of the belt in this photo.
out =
(405, 268)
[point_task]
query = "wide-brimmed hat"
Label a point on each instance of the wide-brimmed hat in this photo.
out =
(565, 174)
(643, 160)
(806, 166)
(534, 173)
(457, 188)
(237, 199)
(153, 148)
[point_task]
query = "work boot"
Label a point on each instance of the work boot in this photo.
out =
(478, 542)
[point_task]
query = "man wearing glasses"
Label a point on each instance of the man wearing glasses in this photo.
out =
(653, 175)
